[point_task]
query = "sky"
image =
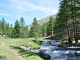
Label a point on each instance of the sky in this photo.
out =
(13, 10)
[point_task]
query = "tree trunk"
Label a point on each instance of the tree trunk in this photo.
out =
(69, 40)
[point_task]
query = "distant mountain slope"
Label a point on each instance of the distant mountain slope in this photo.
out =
(44, 20)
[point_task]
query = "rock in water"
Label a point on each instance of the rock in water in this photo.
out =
(42, 50)
(47, 56)
(44, 55)
(70, 52)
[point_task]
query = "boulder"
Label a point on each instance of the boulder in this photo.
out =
(25, 47)
(28, 48)
(4, 36)
(44, 55)
(22, 45)
(77, 54)
(60, 45)
(70, 52)
(47, 56)
(42, 50)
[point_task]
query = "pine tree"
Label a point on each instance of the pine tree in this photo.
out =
(16, 30)
(14, 33)
(35, 29)
(74, 10)
(50, 26)
(26, 32)
(67, 20)
(44, 30)
(22, 23)
(31, 32)
(3, 26)
(61, 27)
(11, 31)
(7, 32)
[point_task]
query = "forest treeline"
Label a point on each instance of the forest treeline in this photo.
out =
(66, 25)
(20, 29)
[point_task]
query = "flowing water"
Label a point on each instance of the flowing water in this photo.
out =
(59, 53)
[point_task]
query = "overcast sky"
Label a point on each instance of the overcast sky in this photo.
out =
(12, 10)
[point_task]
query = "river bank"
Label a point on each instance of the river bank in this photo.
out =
(73, 43)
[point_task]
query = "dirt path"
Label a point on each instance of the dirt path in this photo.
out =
(15, 53)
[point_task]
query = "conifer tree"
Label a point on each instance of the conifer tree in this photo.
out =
(35, 29)
(7, 30)
(16, 30)
(50, 26)
(61, 27)
(22, 23)
(3, 26)
(44, 29)
(26, 32)
(11, 31)
(31, 32)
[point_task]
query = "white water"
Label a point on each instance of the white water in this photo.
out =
(58, 54)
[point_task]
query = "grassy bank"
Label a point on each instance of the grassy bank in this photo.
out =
(10, 49)
(73, 43)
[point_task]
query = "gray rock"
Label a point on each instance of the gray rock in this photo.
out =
(77, 54)
(47, 56)
(42, 50)
(70, 52)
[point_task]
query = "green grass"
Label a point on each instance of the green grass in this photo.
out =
(1, 37)
(73, 43)
(14, 46)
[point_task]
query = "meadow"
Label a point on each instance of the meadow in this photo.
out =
(10, 49)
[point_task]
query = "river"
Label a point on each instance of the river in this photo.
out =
(59, 53)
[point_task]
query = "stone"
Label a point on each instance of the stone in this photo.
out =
(47, 56)
(28, 48)
(30, 43)
(77, 54)
(22, 47)
(42, 50)
(70, 52)
(4, 36)
(44, 55)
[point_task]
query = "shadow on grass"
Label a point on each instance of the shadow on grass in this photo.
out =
(27, 53)
(37, 42)
(52, 38)
(24, 52)
(2, 57)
